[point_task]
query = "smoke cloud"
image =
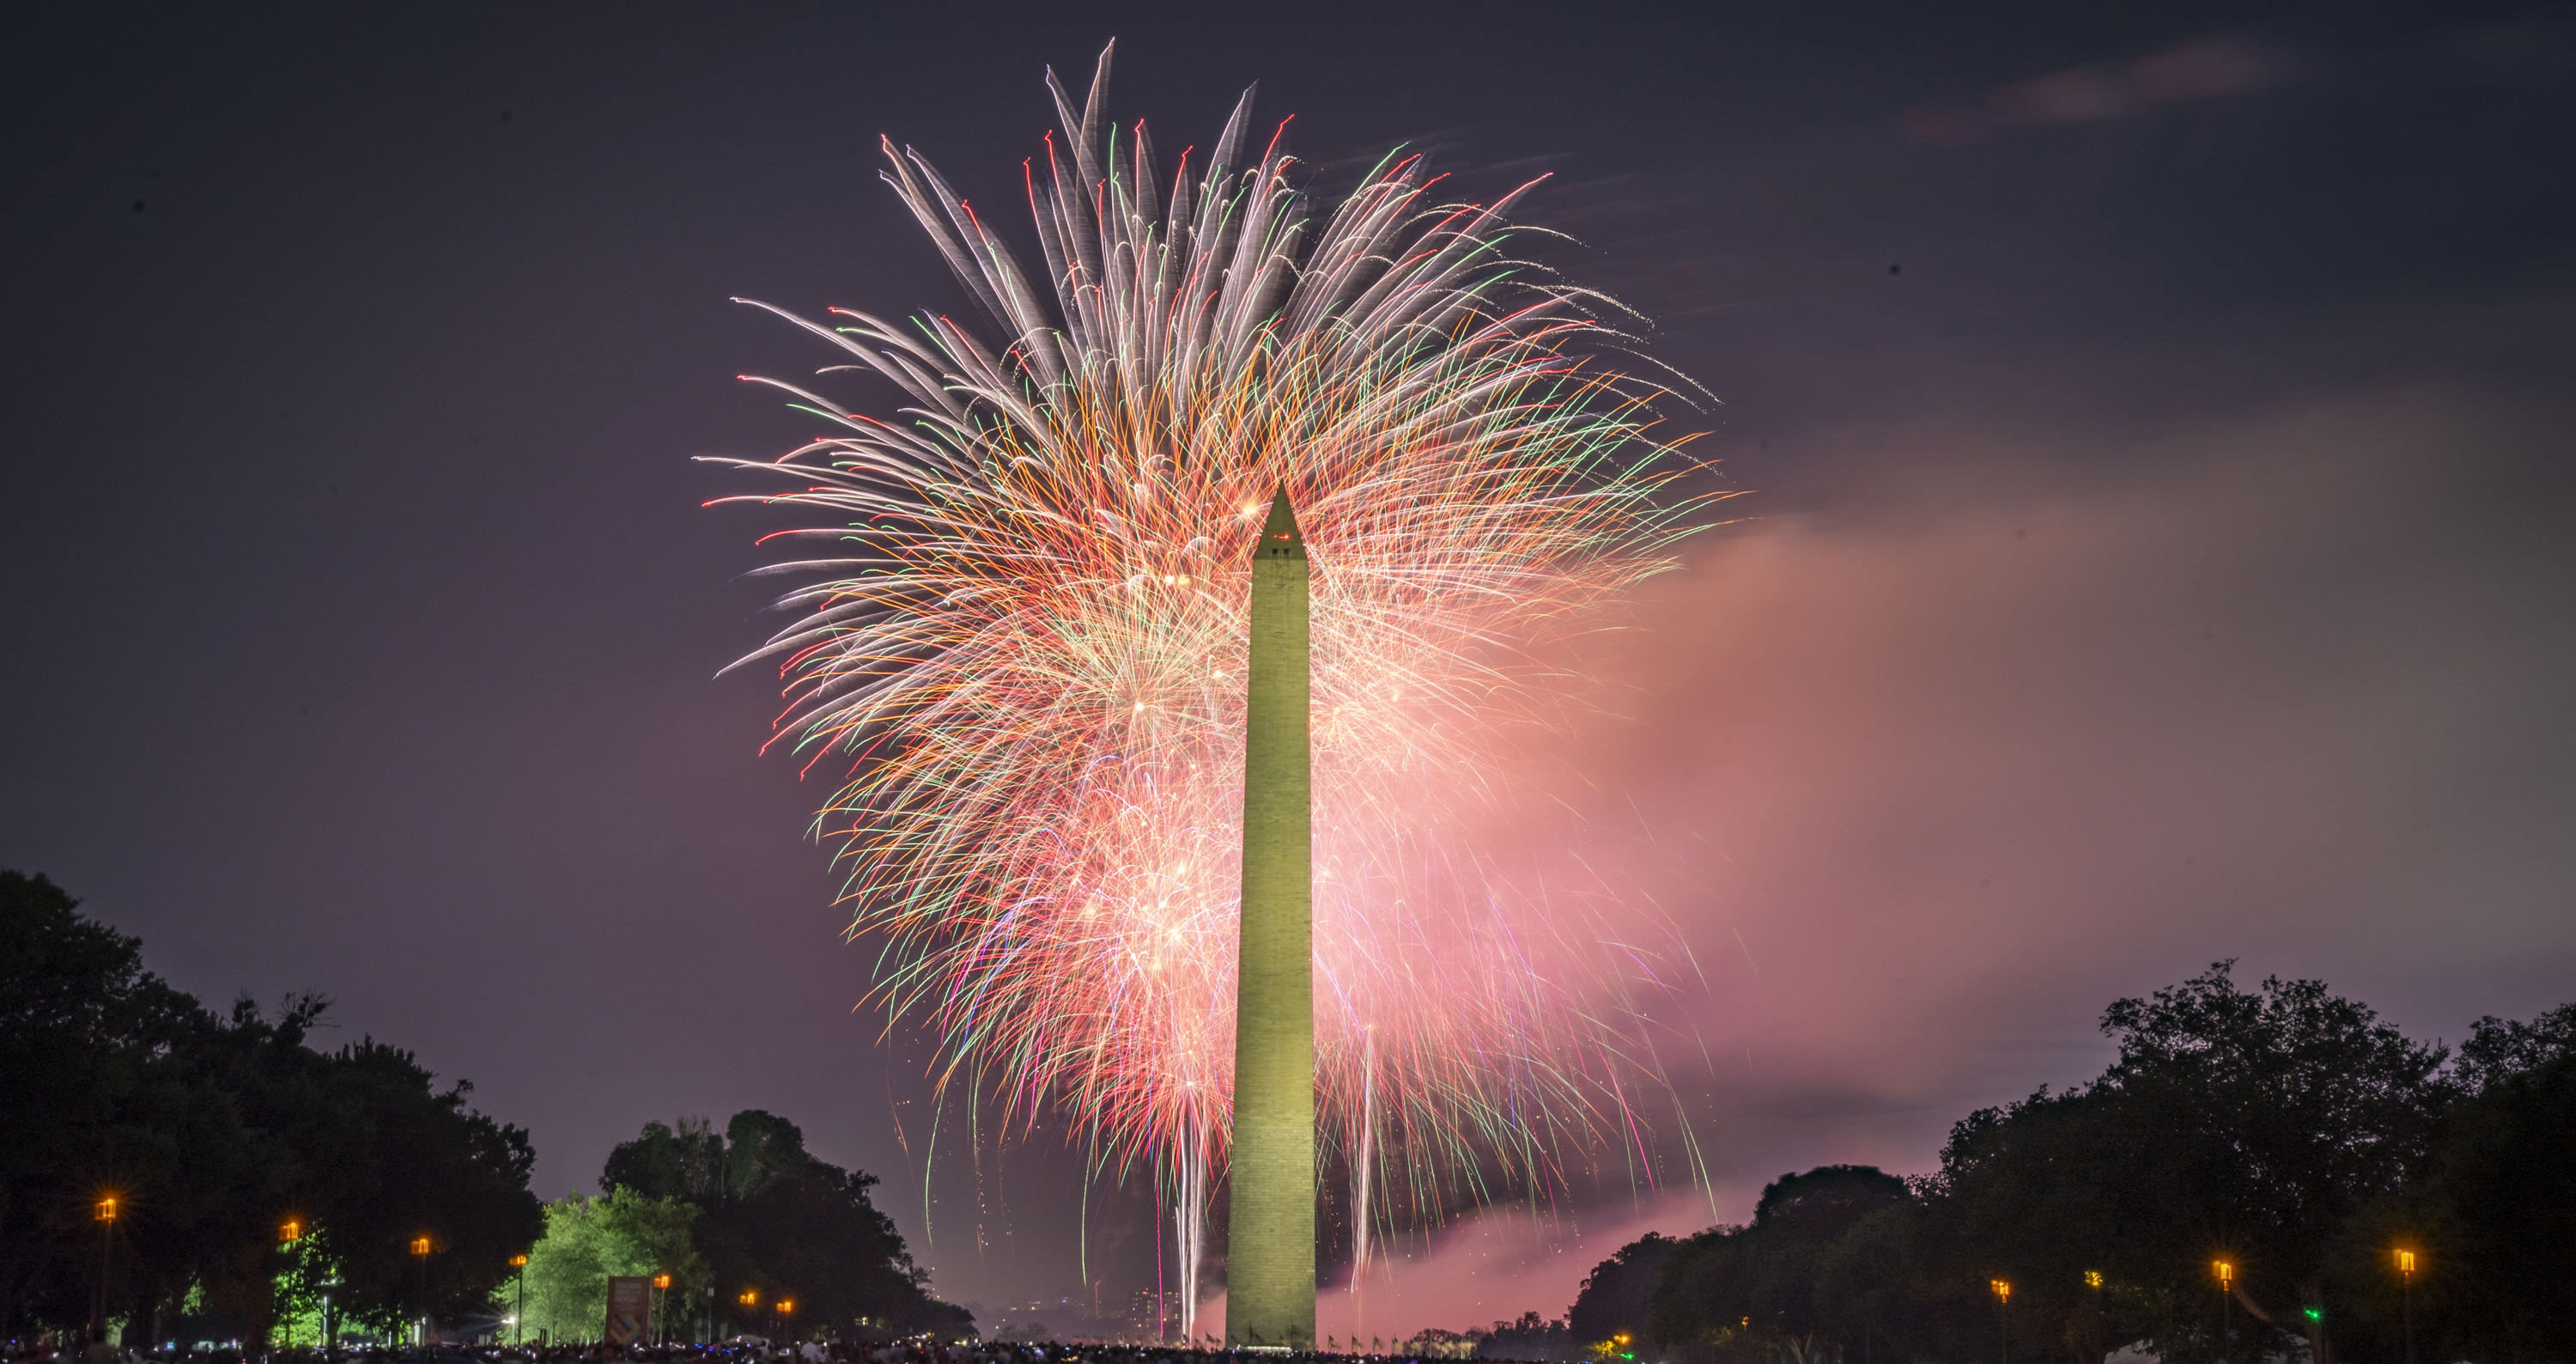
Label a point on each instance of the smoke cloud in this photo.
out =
(2009, 728)
(1941, 771)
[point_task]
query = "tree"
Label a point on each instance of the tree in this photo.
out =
(2493, 1218)
(83, 1028)
(2499, 1049)
(1613, 1299)
(1528, 1337)
(589, 1239)
(1894, 1282)
(2240, 1126)
(2504, 1181)
(1753, 1291)
(2250, 1127)
(214, 1131)
(2083, 1204)
(778, 1221)
(685, 1163)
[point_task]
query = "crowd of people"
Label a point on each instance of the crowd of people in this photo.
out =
(739, 1351)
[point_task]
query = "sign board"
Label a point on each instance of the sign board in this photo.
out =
(630, 1310)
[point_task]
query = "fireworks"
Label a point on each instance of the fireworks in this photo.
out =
(1022, 630)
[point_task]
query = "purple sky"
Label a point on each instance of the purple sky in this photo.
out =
(2157, 416)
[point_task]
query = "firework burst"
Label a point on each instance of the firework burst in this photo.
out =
(1022, 630)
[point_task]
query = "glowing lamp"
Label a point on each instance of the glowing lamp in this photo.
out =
(662, 1281)
(290, 1231)
(2226, 1272)
(105, 1211)
(420, 1246)
(2406, 1262)
(2003, 1290)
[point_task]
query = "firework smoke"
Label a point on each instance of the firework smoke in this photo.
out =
(1022, 629)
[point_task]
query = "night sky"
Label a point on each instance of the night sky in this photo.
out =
(2160, 422)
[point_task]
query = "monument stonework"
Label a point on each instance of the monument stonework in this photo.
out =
(1270, 1230)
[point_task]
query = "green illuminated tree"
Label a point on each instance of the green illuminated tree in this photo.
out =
(588, 1240)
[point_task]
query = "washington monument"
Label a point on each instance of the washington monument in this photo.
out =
(1270, 1228)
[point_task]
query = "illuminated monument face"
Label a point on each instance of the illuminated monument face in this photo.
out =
(1270, 1234)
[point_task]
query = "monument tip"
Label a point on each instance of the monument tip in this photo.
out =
(1280, 538)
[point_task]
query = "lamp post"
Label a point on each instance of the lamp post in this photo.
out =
(519, 1314)
(661, 1290)
(2003, 1316)
(104, 1213)
(289, 1232)
(420, 1248)
(786, 1313)
(749, 1298)
(2226, 1318)
(2406, 1277)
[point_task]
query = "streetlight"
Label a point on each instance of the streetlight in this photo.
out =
(519, 1320)
(2406, 1276)
(661, 1287)
(420, 1248)
(103, 1213)
(289, 1232)
(2003, 1315)
(2093, 1327)
(2226, 1319)
(786, 1309)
